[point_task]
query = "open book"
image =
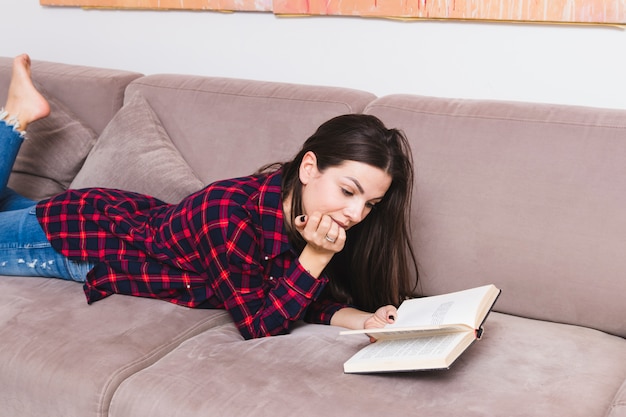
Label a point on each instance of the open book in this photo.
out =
(429, 332)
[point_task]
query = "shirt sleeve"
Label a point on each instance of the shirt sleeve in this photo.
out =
(263, 306)
(260, 305)
(322, 310)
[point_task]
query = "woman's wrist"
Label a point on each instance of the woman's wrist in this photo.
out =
(353, 318)
(350, 318)
(313, 261)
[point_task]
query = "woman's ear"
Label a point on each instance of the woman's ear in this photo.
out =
(308, 167)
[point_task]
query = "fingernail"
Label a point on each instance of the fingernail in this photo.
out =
(302, 218)
(392, 317)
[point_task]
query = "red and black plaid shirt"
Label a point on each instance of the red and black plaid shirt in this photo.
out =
(222, 247)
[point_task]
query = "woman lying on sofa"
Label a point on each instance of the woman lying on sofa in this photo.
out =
(323, 238)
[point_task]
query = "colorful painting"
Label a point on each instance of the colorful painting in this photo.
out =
(568, 11)
(588, 11)
(225, 5)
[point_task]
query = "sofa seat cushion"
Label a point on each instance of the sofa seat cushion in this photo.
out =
(618, 406)
(521, 367)
(60, 356)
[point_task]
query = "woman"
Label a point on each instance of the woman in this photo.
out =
(323, 237)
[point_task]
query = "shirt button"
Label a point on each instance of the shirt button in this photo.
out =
(271, 278)
(188, 286)
(267, 258)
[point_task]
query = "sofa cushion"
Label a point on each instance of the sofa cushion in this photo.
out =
(618, 406)
(527, 196)
(93, 94)
(230, 127)
(83, 101)
(135, 153)
(60, 356)
(521, 367)
(54, 151)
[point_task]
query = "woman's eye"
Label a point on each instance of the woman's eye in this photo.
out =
(346, 192)
(370, 205)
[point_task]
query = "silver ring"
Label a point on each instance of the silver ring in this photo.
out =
(330, 239)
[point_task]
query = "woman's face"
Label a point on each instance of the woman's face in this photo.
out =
(346, 193)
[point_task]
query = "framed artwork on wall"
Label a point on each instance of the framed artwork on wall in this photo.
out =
(223, 5)
(537, 11)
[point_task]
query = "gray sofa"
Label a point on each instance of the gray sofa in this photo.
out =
(530, 197)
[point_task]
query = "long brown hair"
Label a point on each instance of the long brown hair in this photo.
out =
(377, 265)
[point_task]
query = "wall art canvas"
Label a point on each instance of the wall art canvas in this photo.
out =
(540, 11)
(224, 5)
(571, 11)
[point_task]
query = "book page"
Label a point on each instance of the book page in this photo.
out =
(454, 308)
(433, 346)
(461, 311)
(434, 352)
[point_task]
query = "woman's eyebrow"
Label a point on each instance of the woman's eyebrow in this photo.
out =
(356, 183)
(360, 188)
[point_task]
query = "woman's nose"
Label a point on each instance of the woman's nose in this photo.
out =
(355, 212)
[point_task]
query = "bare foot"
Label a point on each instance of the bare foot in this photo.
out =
(24, 101)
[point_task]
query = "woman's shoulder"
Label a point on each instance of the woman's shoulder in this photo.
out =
(242, 187)
(241, 197)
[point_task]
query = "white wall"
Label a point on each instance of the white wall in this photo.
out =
(558, 64)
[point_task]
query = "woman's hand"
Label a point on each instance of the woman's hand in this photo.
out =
(324, 238)
(383, 316)
(351, 318)
(321, 232)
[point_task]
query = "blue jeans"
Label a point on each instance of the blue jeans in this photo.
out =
(24, 248)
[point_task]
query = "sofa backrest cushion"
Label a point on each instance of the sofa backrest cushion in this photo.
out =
(530, 197)
(230, 127)
(93, 94)
(53, 152)
(136, 143)
(82, 101)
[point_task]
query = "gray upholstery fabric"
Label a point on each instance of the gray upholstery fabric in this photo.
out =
(618, 405)
(521, 367)
(60, 356)
(136, 141)
(52, 154)
(93, 94)
(83, 100)
(526, 196)
(228, 127)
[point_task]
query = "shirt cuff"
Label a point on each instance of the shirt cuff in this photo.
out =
(305, 283)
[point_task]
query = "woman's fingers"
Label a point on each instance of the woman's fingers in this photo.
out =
(321, 231)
